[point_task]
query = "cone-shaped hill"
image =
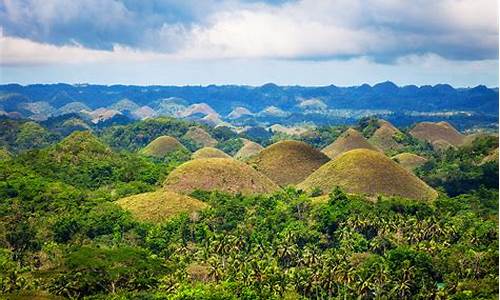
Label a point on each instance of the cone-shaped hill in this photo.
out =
(200, 137)
(288, 162)
(162, 146)
(80, 146)
(209, 152)
(493, 156)
(363, 171)
(160, 205)
(434, 132)
(248, 150)
(385, 137)
(349, 140)
(222, 174)
(409, 161)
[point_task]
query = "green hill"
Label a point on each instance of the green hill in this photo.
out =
(162, 146)
(288, 162)
(160, 205)
(369, 172)
(209, 152)
(222, 174)
(349, 140)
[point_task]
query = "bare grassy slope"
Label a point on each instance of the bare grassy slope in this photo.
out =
(222, 174)
(248, 150)
(349, 140)
(409, 161)
(200, 136)
(434, 132)
(385, 137)
(162, 146)
(368, 172)
(288, 162)
(209, 152)
(160, 205)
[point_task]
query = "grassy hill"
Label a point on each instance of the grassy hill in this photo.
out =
(160, 205)
(209, 152)
(248, 150)
(349, 140)
(223, 174)
(368, 172)
(288, 162)
(409, 161)
(386, 137)
(162, 146)
(200, 137)
(493, 156)
(436, 133)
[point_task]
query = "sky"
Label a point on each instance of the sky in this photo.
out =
(251, 42)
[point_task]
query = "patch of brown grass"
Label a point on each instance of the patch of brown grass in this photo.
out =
(349, 140)
(160, 205)
(248, 150)
(162, 146)
(493, 156)
(200, 136)
(384, 137)
(288, 162)
(434, 132)
(363, 171)
(209, 152)
(409, 161)
(222, 174)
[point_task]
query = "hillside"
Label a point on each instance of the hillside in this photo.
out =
(409, 161)
(493, 156)
(248, 150)
(364, 171)
(209, 152)
(288, 162)
(160, 205)
(223, 174)
(434, 132)
(349, 140)
(386, 137)
(200, 137)
(162, 146)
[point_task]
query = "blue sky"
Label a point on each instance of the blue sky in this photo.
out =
(306, 42)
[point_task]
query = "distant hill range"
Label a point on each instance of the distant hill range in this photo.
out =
(247, 105)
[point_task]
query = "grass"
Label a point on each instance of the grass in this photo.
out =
(349, 140)
(493, 156)
(4, 154)
(209, 152)
(222, 174)
(288, 162)
(200, 136)
(383, 137)
(434, 132)
(248, 150)
(162, 146)
(409, 161)
(363, 171)
(160, 205)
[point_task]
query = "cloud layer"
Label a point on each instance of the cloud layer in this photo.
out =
(381, 30)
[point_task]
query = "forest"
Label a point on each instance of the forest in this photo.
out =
(62, 234)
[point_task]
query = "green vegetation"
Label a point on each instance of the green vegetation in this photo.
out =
(81, 219)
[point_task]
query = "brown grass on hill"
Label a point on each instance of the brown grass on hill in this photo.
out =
(433, 132)
(493, 156)
(160, 205)
(200, 136)
(222, 174)
(248, 150)
(209, 152)
(288, 162)
(349, 140)
(384, 137)
(363, 171)
(441, 145)
(162, 146)
(409, 161)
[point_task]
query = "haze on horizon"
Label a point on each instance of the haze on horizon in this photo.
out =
(249, 42)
